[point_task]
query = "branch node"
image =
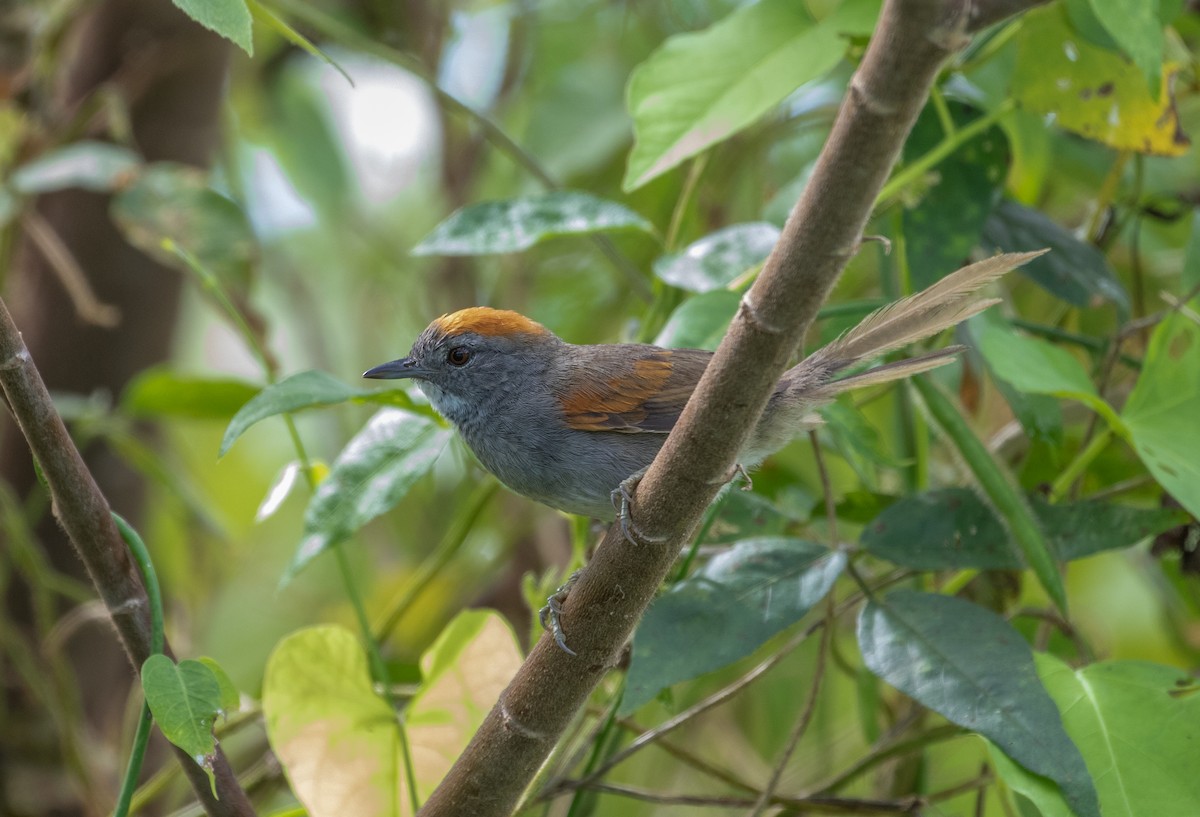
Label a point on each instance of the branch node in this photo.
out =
(512, 724)
(858, 94)
(17, 360)
(749, 313)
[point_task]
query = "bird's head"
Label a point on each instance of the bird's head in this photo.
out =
(464, 359)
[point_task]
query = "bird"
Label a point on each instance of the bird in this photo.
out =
(573, 426)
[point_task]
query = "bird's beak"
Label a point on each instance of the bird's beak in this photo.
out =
(395, 370)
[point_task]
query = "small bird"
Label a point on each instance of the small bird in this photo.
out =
(570, 426)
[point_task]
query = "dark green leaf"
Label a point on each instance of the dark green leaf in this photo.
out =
(698, 89)
(1163, 410)
(229, 18)
(700, 321)
(159, 392)
(727, 610)
(167, 202)
(974, 669)
(715, 260)
(1074, 271)
(97, 166)
(373, 473)
(517, 224)
(301, 391)
(745, 515)
(942, 230)
(184, 699)
(1190, 279)
(952, 528)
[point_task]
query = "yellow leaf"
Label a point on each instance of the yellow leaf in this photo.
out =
(1092, 91)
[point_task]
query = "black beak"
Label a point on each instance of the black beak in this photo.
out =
(395, 370)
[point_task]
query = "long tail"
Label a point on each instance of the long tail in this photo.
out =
(918, 316)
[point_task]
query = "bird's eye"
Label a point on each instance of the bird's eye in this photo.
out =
(458, 356)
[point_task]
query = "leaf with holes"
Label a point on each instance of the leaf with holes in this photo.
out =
(1137, 725)
(1162, 411)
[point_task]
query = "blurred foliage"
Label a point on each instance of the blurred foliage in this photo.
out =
(618, 172)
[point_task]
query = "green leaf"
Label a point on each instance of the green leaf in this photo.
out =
(336, 739)
(1135, 26)
(727, 610)
(1190, 278)
(700, 321)
(745, 515)
(231, 700)
(998, 486)
(160, 392)
(717, 259)
(184, 699)
(974, 669)
(301, 391)
(1037, 366)
(1136, 724)
(952, 528)
(517, 224)
(463, 674)
(229, 18)
(1039, 414)
(374, 472)
(1097, 93)
(1162, 411)
(698, 89)
(97, 166)
(264, 15)
(941, 231)
(168, 203)
(1075, 271)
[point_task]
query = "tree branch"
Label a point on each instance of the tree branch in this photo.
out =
(84, 514)
(911, 42)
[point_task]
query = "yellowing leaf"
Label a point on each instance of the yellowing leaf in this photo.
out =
(464, 673)
(1092, 91)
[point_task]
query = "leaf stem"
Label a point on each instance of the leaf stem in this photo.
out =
(952, 142)
(141, 555)
(1076, 467)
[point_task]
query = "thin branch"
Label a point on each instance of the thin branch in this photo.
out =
(74, 280)
(911, 43)
(84, 514)
(824, 805)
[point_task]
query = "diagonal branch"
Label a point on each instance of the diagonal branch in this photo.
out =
(84, 514)
(911, 42)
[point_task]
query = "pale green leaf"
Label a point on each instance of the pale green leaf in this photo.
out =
(698, 89)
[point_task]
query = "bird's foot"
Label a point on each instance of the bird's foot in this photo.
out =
(739, 470)
(622, 499)
(550, 614)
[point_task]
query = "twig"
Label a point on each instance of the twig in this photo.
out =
(58, 257)
(827, 805)
(86, 517)
(810, 706)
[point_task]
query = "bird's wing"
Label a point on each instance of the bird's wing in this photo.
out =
(630, 387)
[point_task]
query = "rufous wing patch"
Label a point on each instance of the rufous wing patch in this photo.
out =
(646, 394)
(483, 320)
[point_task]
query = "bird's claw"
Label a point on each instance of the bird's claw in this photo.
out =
(549, 615)
(622, 498)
